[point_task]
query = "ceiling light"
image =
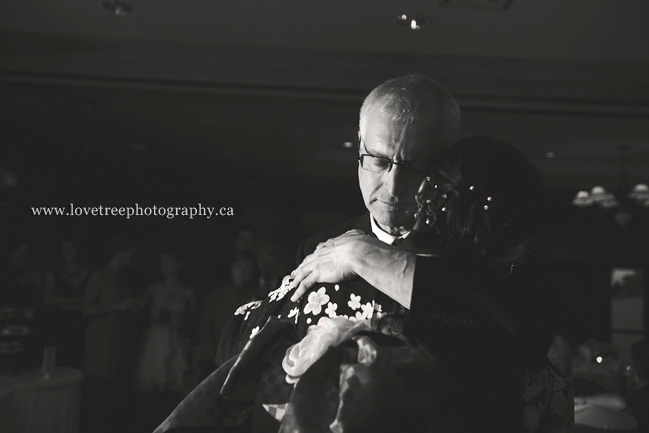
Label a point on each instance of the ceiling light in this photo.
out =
(549, 155)
(348, 144)
(634, 202)
(117, 7)
(412, 21)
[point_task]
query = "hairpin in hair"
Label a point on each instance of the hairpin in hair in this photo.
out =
(420, 207)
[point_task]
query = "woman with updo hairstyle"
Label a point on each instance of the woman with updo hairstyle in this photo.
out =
(487, 203)
(481, 211)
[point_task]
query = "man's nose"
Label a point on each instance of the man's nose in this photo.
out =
(394, 180)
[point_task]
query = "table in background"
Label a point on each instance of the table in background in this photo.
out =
(39, 405)
(603, 412)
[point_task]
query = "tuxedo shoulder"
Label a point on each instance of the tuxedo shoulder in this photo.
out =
(309, 244)
(333, 231)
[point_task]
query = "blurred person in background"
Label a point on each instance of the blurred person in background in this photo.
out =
(22, 284)
(163, 363)
(219, 263)
(64, 287)
(271, 269)
(221, 303)
(21, 288)
(636, 394)
(561, 354)
(111, 340)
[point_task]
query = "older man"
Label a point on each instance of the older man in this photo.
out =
(404, 123)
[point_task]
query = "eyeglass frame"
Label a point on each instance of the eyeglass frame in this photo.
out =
(392, 163)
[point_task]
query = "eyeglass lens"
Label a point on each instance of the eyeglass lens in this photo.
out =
(379, 164)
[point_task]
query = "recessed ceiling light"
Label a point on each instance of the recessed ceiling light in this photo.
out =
(549, 155)
(412, 21)
(118, 7)
(348, 144)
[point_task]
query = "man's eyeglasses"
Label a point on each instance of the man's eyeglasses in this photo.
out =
(379, 164)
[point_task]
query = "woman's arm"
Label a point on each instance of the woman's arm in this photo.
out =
(404, 276)
(352, 254)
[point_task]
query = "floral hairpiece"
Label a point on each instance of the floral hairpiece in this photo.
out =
(471, 188)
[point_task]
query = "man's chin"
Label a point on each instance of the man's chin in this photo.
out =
(401, 221)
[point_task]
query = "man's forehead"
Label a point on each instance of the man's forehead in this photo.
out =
(384, 133)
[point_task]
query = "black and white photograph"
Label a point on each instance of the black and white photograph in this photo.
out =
(324, 217)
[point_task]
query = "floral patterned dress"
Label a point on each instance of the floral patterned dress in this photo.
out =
(356, 301)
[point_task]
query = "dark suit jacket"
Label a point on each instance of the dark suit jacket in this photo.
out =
(309, 245)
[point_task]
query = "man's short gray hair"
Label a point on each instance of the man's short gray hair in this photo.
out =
(409, 97)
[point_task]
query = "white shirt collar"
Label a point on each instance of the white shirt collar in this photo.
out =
(384, 236)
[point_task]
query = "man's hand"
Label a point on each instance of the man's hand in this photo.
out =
(331, 262)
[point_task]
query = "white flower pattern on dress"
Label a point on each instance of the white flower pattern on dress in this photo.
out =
(279, 293)
(254, 331)
(245, 307)
(295, 312)
(316, 300)
(354, 302)
(331, 309)
(368, 310)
